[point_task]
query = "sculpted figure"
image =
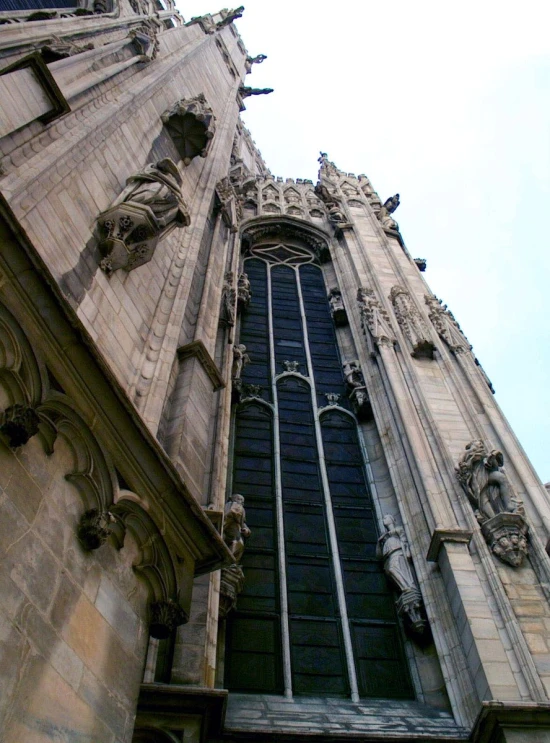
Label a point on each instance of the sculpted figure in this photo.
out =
(231, 16)
(485, 484)
(245, 91)
(157, 186)
(243, 291)
(393, 548)
(240, 360)
(353, 375)
(332, 202)
(227, 310)
(235, 530)
(389, 206)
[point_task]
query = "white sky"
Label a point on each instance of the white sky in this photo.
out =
(447, 104)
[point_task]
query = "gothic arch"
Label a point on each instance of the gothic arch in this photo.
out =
(153, 735)
(21, 375)
(155, 563)
(91, 473)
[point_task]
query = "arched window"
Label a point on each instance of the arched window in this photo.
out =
(316, 616)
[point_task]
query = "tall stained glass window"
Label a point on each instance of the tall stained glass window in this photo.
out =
(316, 616)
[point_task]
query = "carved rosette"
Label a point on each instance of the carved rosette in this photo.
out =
(374, 318)
(94, 528)
(496, 506)
(19, 423)
(412, 323)
(165, 617)
(337, 309)
(191, 124)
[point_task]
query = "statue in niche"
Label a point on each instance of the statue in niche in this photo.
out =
(229, 298)
(235, 532)
(148, 208)
(413, 325)
(497, 508)
(393, 549)
(386, 210)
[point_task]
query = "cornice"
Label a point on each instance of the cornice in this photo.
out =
(197, 350)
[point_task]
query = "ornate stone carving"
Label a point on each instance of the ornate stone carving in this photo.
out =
(94, 528)
(333, 204)
(332, 398)
(337, 309)
(496, 506)
(230, 16)
(244, 294)
(145, 38)
(412, 323)
(165, 617)
(367, 189)
(19, 423)
(191, 124)
(251, 390)
(421, 264)
(386, 210)
(291, 366)
(240, 360)
(229, 301)
(245, 91)
(446, 326)
(393, 549)
(56, 48)
(235, 532)
(357, 391)
(231, 207)
(206, 22)
(249, 61)
(374, 318)
(148, 208)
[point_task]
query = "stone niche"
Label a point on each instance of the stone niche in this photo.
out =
(191, 124)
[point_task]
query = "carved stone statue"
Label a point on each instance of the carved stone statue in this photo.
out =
(446, 326)
(240, 360)
(332, 203)
(353, 375)
(389, 206)
(228, 302)
(411, 322)
(243, 292)
(393, 549)
(337, 309)
(357, 391)
(148, 208)
(497, 508)
(374, 318)
(235, 532)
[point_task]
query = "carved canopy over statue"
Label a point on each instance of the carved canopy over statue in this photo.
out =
(148, 208)
(497, 508)
(412, 323)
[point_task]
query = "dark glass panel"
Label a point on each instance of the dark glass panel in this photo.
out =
(380, 667)
(255, 328)
(287, 320)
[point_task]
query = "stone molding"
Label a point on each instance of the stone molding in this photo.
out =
(197, 349)
(440, 536)
(191, 124)
(494, 717)
(278, 227)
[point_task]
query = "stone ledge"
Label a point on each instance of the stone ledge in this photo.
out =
(495, 717)
(458, 536)
(198, 350)
(267, 718)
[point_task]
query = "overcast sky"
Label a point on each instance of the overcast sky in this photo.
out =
(447, 104)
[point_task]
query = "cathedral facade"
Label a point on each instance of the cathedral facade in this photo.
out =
(255, 485)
